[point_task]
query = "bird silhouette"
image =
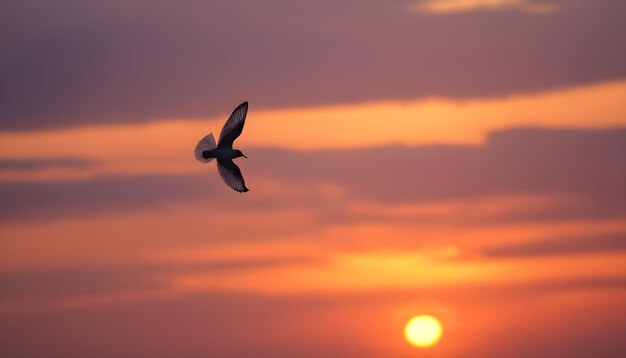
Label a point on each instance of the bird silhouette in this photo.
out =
(206, 149)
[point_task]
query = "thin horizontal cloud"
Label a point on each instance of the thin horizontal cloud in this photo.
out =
(34, 164)
(45, 285)
(98, 196)
(561, 246)
(460, 6)
(74, 63)
(65, 283)
(501, 292)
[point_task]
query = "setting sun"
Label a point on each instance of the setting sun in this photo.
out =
(423, 331)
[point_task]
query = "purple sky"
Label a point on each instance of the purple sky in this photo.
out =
(72, 62)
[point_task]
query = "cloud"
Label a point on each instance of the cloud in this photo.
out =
(522, 161)
(101, 195)
(561, 246)
(580, 164)
(460, 6)
(33, 164)
(43, 286)
(74, 63)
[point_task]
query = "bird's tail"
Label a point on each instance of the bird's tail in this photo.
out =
(206, 143)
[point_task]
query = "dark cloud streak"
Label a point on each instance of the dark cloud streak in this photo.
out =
(66, 282)
(30, 164)
(561, 246)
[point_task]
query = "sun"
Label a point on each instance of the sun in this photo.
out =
(423, 331)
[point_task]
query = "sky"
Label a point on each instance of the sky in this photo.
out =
(462, 159)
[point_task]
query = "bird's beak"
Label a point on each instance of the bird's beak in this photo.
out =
(244, 156)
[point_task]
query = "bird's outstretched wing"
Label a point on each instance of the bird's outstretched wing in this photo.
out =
(233, 126)
(231, 175)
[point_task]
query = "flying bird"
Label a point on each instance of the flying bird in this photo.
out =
(206, 149)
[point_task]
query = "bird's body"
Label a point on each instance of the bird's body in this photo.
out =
(207, 150)
(222, 153)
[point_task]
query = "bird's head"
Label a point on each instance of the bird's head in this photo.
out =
(239, 154)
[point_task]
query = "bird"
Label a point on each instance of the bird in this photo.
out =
(206, 150)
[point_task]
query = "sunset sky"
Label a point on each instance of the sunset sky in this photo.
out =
(463, 159)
